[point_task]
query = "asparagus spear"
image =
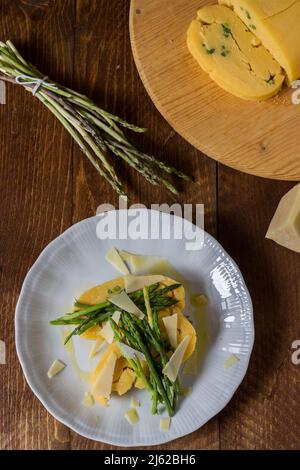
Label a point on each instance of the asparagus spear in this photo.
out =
(135, 340)
(148, 306)
(154, 337)
(154, 398)
(138, 335)
(157, 298)
(81, 313)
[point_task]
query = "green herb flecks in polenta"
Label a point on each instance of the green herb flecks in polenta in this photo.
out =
(224, 51)
(209, 50)
(226, 30)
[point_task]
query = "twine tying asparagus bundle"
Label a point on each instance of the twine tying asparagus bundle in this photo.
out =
(98, 133)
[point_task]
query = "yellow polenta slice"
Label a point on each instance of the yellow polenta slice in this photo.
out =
(124, 377)
(125, 382)
(229, 53)
(92, 333)
(276, 24)
(97, 295)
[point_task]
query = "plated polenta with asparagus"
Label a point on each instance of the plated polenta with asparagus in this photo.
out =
(138, 347)
(138, 325)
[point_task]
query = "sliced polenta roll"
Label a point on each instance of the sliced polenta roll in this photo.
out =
(276, 25)
(229, 52)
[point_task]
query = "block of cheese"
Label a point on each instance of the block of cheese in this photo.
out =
(276, 24)
(227, 50)
(285, 225)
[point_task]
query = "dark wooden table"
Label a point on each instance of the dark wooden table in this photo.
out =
(46, 186)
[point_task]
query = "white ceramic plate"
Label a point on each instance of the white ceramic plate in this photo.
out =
(74, 262)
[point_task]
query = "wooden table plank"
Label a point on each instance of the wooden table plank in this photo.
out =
(264, 413)
(36, 200)
(110, 78)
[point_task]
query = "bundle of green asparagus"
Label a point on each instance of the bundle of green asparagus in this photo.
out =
(137, 333)
(98, 133)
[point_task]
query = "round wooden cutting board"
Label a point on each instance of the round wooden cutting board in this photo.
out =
(261, 138)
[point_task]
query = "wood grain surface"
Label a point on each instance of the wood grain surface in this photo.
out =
(260, 138)
(46, 185)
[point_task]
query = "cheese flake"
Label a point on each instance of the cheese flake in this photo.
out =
(88, 399)
(131, 416)
(164, 424)
(171, 329)
(113, 257)
(103, 383)
(130, 353)
(134, 283)
(124, 302)
(140, 263)
(134, 403)
(107, 331)
(230, 361)
(96, 348)
(171, 369)
(55, 368)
